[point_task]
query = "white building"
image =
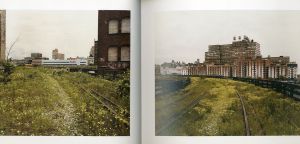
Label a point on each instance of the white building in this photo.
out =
(76, 62)
(90, 60)
(171, 71)
(292, 70)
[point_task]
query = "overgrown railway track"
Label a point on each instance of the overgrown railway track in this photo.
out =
(176, 116)
(247, 128)
(113, 107)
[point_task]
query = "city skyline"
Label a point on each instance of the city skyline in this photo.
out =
(186, 35)
(40, 31)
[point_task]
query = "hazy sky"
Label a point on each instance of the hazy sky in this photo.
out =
(72, 32)
(185, 35)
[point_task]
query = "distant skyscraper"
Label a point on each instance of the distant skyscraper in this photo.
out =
(56, 55)
(92, 51)
(2, 34)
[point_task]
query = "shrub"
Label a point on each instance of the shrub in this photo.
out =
(8, 70)
(123, 88)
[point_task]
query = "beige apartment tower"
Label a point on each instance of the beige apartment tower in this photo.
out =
(2, 34)
(57, 56)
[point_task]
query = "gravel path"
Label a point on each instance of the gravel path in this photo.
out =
(64, 114)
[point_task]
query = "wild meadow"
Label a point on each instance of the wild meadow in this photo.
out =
(218, 111)
(41, 101)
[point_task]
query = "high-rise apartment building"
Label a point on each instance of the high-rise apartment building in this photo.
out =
(242, 58)
(239, 50)
(57, 56)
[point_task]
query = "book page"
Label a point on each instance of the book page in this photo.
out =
(220, 72)
(69, 72)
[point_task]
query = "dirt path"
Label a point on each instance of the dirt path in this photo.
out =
(64, 115)
(223, 99)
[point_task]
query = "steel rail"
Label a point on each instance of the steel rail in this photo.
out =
(247, 128)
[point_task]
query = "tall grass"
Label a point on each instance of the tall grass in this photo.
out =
(219, 110)
(40, 101)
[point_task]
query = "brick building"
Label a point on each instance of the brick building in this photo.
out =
(240, 49)
(262, 68)
(113, 46)
(2, 34)
(242, 58)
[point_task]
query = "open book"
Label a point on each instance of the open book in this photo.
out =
(149, 72)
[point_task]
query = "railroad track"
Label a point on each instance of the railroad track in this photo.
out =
(247, 128)
(257, 118)
(177, 116)
(107, 103)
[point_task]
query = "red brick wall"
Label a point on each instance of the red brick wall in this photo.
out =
(106, 40)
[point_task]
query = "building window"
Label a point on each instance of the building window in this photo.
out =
(125, 53)
(112, 54)
(113, 27)
(125, 25)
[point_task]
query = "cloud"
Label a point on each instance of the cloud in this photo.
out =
(72, 32)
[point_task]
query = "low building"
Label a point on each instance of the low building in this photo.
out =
(90, 60)
(77, 62)
(36, 62)
(76, 58)
(21, 62)
(36, 55)
(171, 70)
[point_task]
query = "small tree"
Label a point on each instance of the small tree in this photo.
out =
(7, 65)
(8, 69)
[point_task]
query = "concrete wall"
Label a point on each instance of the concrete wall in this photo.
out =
(2, 34)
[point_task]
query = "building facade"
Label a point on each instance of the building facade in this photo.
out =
(96, 56)
(239, 49)
(259, 68)
(113, 46)
(2, 34)
(57, 56)
(36, 55)
(92, 51)
(77, 62)
(243, 59)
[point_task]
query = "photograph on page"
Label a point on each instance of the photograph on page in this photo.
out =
(65, 73)
(227, 73)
